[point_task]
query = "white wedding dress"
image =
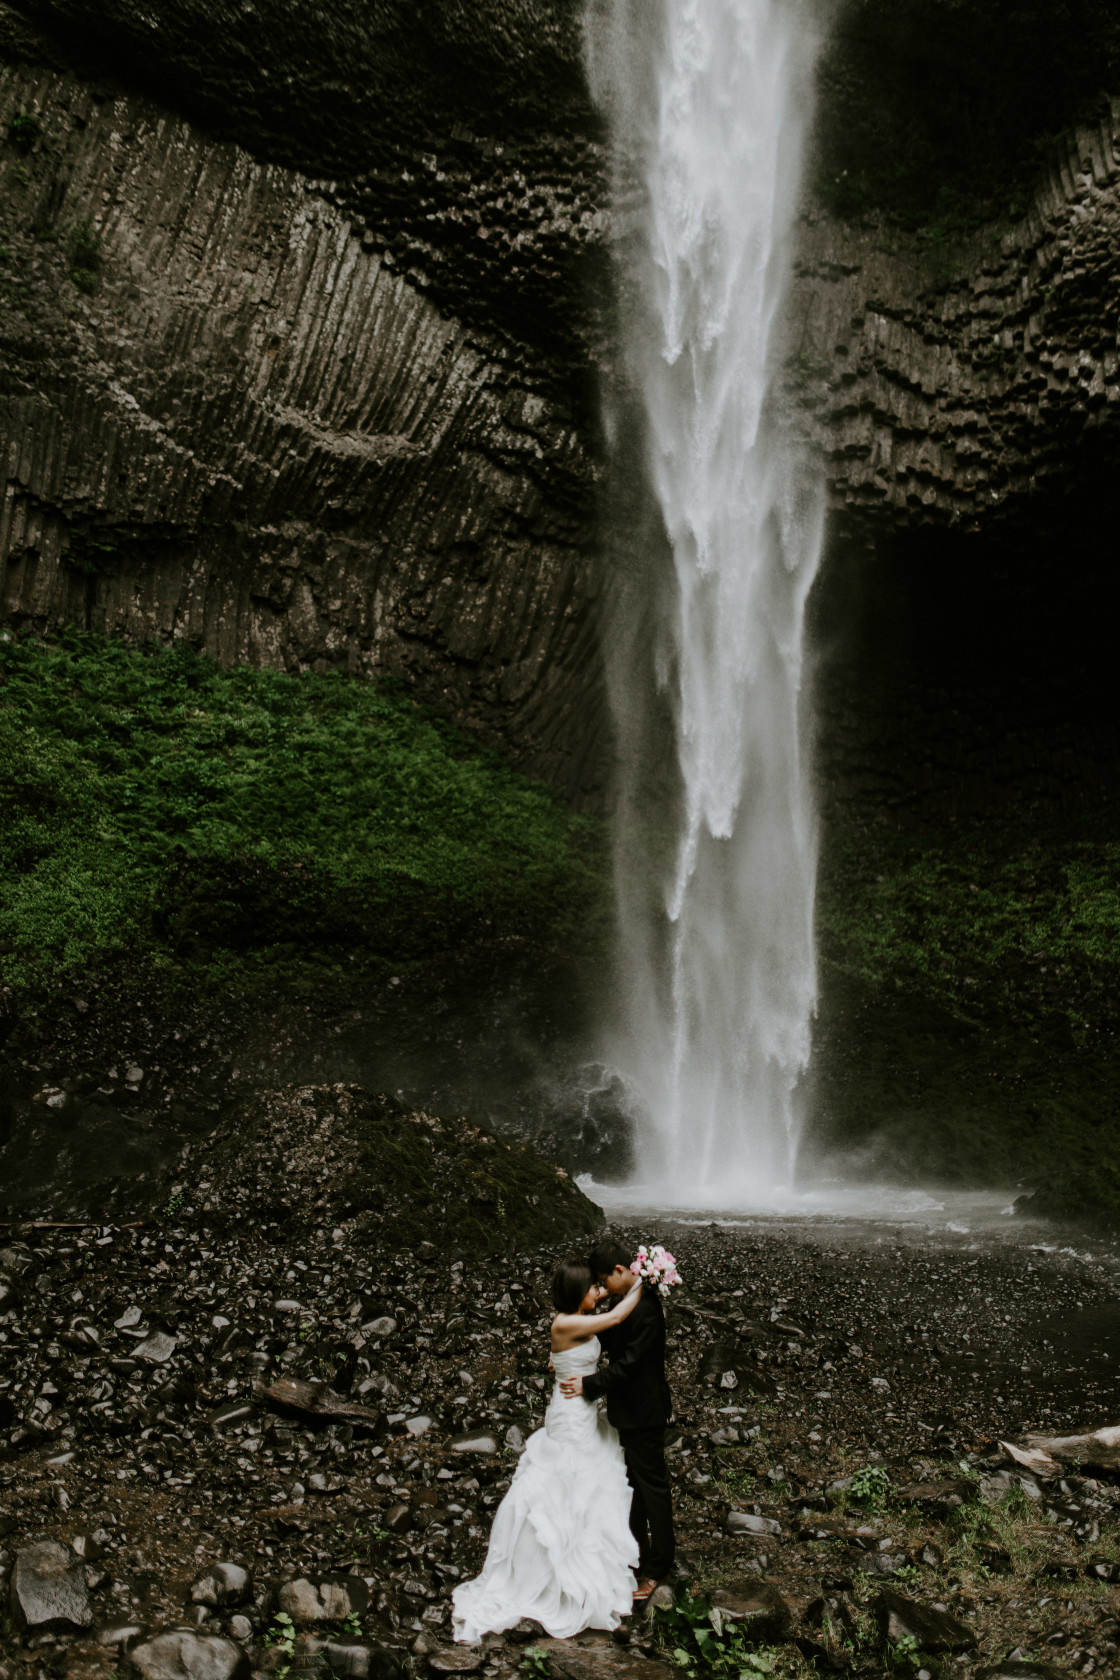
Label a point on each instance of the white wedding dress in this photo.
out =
(561, 1551)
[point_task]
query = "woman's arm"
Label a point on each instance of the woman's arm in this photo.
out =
(607, 1321)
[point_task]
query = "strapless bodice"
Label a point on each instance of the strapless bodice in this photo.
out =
(578, 1361)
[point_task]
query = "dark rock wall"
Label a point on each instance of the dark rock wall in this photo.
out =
(959, 382)
(226, 419)
(303, 332)
(457, 135)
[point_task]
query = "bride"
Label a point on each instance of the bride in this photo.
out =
(561, 1552)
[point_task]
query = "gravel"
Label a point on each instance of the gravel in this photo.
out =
(261, 1496)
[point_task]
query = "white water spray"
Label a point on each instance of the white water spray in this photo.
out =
(716, 859)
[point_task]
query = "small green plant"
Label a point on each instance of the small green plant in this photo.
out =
(697, 1638)
(282, 1634)
(352, 1625)
(534, 1663)
(869, 1487)
(904, 1654)
(24, 131)
(173, 1204)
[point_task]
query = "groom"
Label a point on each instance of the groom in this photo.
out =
(639, 1406)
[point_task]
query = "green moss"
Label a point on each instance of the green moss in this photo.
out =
(969, 1019)
(1031, 931)
(24, 131)
(159, 811)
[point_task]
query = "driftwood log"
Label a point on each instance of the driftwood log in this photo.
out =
(316, 1400)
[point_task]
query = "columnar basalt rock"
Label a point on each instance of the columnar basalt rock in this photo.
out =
(345, 419)
(952, 385)
(226, 420)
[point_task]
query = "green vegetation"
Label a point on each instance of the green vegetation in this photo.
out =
(970, 987)
(1031, 931)
(160, 813)
(24, 130)
(869, 1487)
(698, 1639)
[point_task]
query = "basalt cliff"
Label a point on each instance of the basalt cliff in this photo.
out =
(304, 311)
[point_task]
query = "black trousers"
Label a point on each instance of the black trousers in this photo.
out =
(651, 1509)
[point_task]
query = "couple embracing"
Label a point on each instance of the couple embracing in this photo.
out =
(590, 1501)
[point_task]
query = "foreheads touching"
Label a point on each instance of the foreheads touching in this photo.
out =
(574, 1288)
(610, 1263)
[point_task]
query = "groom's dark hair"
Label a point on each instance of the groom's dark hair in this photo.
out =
(606, 1255)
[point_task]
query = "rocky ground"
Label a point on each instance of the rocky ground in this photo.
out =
(260, 1420)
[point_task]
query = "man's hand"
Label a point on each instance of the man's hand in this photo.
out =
(571, 1387)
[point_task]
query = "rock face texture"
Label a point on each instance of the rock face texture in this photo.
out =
(303, 310)
(954, 385)
(224, 419)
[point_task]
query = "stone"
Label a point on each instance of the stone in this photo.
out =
(156, 1348)
(330, 1599)
(419, 1425)
(184, 1654)
(524, 1631)
(49, 1592)
(932, 1630)
(300, 1600)
(457, 1659)
(85, 1547)
(238, 1411)
(222, 1586)
(1012, 1668)
(745, 1522)
(241, 1629)
(606, 1661)
(477, 1441)
(382, 1327)
(939, 1498)
(757, 1608)
(320, 1482)
(515, 1439)
(352, 1662)
(121, 1636)
(878, 1563)
(1103, 1569)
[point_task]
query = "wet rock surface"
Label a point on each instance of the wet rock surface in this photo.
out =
(262, 1497)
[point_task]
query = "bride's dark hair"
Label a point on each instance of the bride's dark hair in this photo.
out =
(570, 1284)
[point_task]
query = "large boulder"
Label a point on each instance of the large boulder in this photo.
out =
(184, 1654)
(49, 1590)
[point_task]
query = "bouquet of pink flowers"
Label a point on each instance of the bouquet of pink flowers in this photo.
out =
(656, 1267)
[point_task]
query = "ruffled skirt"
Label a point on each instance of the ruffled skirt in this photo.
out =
(561, 1552)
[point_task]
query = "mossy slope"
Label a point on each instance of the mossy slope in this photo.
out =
(161, 813)
(969, 1022)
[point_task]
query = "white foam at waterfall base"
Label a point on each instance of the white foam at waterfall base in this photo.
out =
(716, 857)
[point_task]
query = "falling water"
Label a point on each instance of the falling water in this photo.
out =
(716, 856)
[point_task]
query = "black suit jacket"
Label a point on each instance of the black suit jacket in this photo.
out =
(634, 1382)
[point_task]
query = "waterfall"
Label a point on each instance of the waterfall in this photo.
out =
(708, 105)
